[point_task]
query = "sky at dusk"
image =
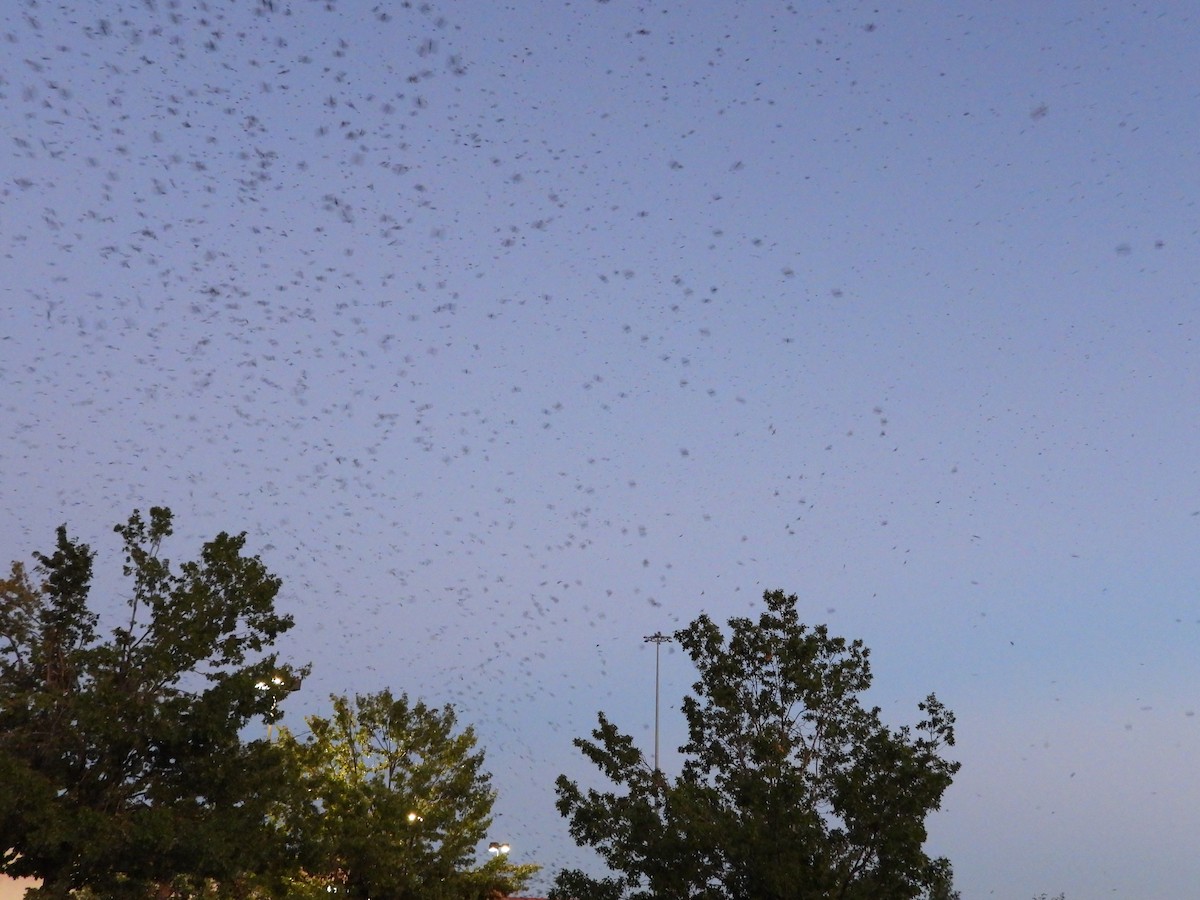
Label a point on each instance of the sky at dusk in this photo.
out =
(512, 333)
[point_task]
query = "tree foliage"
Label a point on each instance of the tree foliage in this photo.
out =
(393, 802)
(790, 786)
(121, 754)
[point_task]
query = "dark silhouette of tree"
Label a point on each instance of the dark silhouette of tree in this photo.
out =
(121, 756)
(790, 786)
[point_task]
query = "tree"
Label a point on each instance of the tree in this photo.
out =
(393, 802)
(790, 786)
(121, 758)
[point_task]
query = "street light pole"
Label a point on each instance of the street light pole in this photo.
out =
(283, 682)
(657, 639)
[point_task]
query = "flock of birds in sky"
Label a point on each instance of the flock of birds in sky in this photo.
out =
(513, 333)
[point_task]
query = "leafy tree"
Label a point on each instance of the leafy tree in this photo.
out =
(790, 786)
(393, 802)
(121, 757)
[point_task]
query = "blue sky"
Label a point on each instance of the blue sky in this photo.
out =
(514, 333)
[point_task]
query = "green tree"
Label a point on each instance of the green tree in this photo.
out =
(393, 802)
(790, 786)
(122, 764)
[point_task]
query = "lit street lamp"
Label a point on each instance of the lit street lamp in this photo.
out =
(281, 683)
(499, 851)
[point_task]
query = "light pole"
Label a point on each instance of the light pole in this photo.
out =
(657, 639)
(283, 682)
(499, 850)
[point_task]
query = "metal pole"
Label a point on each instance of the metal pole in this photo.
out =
(657, 639)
